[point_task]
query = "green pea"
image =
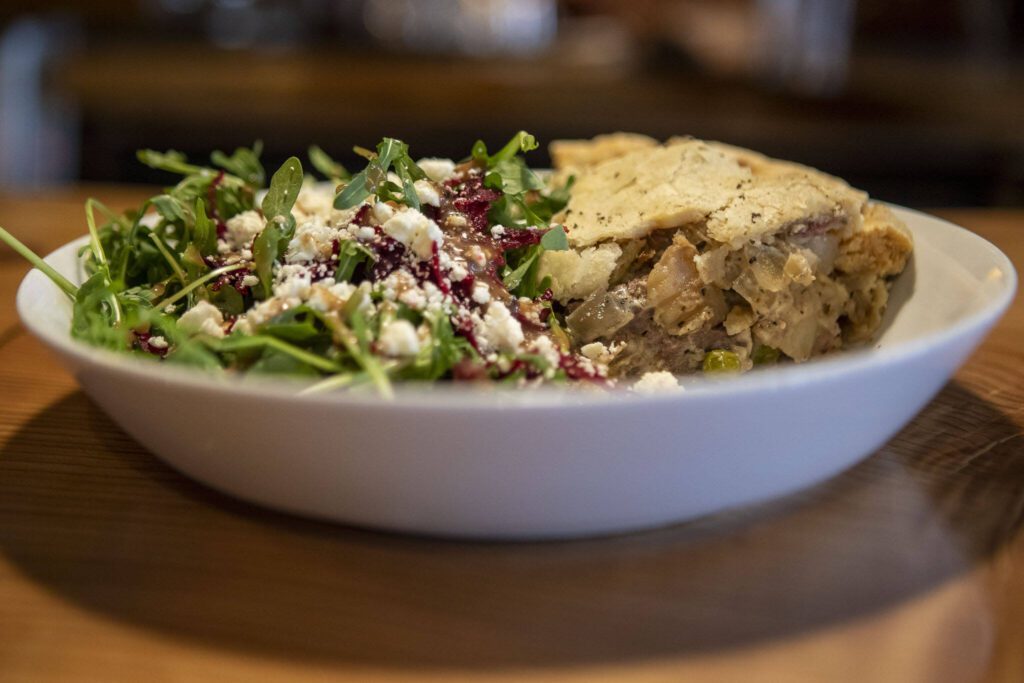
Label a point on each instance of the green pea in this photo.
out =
(765, 355)
(720, 360)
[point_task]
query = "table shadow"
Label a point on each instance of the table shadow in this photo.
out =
(88, 514)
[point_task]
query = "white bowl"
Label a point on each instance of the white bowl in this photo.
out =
(518, 465)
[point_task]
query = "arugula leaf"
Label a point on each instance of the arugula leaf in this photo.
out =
(169, 258)
(244, 163)
(195, 284)
(520, 186)
(357, 344)
(555, 239)
(37, 262)
(102, 265)
(408, 189)
(355, 192)
(297, 325)
(521, 275)
(93, 315)
(444, 351)
(276, 362)
(390, 149)
(284, 188)
(193, 354)
(521, 142)
(479, 152)
(327, 166)
(266, 250)
(171, 161)
(228, 300)
(225, 193)
(351, 255)
(374, 178)
(554, 200)
(239, 342)
(513, 176)
(277, 209)
(514, 277)
(170, 208)
(232, 192)
(204, 232)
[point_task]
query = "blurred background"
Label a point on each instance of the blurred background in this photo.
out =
(918, 101)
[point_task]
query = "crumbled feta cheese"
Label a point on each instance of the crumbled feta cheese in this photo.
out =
(261, 313)
(250, 281)
(546, 348)
(497, 231)
(382, 212)
(396, 284)
(427, 192)
(438, 170)
(436, 299)
(415, 231)
(320, 299)
(399, 338)
(602, 355)
(342, 290)
(325, 298)
(338, 218)
(242, 326)
(481, 293)
(157, 342)
(656, 383)
(366, 233)
(313, 201)
(313, 240)
(292, 282)
(203, 318)
(458, 272)
(413, 298)
(242, 229)
(500, 329)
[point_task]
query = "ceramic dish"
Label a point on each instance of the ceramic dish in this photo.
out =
(546, 464)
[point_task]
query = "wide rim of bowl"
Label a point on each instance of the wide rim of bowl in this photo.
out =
(443, 397)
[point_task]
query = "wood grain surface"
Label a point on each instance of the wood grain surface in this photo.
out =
(113, 567)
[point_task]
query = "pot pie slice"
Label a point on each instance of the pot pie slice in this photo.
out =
(681, 249)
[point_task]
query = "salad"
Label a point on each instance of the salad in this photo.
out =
(406, 270)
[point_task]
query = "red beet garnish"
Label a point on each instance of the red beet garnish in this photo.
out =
(142, 341)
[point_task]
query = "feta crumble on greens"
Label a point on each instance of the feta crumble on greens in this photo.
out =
(408, 271)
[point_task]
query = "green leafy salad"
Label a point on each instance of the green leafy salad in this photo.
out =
(406, 270)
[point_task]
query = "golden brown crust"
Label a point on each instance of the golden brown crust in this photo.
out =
(739, 195)
(572, 154)
(879, 250)
(882, 246)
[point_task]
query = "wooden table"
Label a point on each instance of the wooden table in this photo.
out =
(909, 567)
